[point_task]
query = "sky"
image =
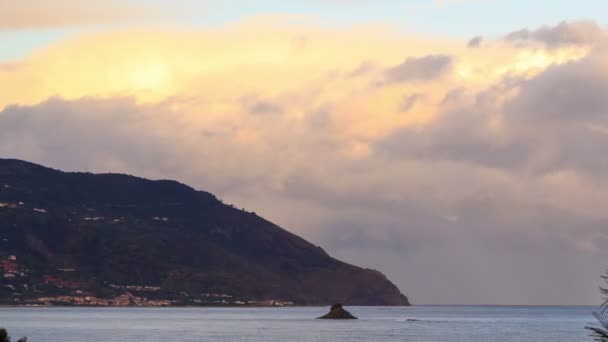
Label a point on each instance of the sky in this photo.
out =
(456, 146)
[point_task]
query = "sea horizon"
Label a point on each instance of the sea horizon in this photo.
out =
(416, 323)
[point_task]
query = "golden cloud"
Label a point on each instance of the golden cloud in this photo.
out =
(297, 67)
(41, 14)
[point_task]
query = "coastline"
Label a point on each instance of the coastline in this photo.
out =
(209, 306)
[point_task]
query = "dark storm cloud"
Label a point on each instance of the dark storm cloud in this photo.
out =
(419, 69)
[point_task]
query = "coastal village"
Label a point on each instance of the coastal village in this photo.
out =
(20, 288)
(133, 295)
(15, 279)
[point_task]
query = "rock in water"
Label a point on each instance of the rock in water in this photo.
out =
(337, 312)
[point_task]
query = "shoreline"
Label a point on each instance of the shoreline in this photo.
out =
(205, 306)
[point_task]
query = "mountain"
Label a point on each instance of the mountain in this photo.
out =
(113, 239)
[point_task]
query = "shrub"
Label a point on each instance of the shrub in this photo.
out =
(600, 331)
(5, 338)
(4, 335)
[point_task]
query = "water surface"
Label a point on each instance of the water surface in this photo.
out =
(413, 324)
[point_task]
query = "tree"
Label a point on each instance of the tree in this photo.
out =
(600, 331)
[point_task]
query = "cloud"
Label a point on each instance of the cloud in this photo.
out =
(549, 127)
(39, 14)
(410, 101)
(482, 184)
(569, 104)
(103, 128)
(565, 33)
(7, 67)
(265, 107)
(419, 68)
(363, 69)
(475, 42)
(572, 92)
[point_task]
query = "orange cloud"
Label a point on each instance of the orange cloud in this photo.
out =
(40, 14)
(362, 73)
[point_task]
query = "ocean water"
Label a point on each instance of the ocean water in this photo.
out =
(412, 324)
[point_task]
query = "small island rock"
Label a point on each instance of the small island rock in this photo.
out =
(337, 312)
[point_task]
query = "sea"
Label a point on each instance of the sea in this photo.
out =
(377, 324)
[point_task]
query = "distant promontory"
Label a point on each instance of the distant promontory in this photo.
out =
(113, 239)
